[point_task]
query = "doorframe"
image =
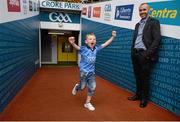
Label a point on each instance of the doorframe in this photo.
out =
(40, 47)
(40, 60)
(79, 44)
(40, 50)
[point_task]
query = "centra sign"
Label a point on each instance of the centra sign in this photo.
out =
(60, 5)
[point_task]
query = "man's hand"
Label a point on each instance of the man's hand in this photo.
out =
(71, 39)
(114, 33)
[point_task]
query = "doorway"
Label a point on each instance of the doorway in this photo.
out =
(66, 53)
(55, 48)
(48, 48)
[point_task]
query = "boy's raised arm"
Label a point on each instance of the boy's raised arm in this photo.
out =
(71, 41)
(110, 39)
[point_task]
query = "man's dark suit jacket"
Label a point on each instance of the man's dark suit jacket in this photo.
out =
(151, 38)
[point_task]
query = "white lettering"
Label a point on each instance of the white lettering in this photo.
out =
(60, 5)
(60, 17)
(14, 2)
(124, 10)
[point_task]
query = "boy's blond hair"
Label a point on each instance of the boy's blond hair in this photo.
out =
(90, 34)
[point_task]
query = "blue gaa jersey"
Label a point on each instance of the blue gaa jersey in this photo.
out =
(88, 58)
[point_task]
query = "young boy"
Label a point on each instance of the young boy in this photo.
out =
(87, 65)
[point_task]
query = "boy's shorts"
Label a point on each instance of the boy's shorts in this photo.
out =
(89, 80)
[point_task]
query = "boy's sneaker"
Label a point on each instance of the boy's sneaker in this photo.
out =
(89, 106)
(74, 91)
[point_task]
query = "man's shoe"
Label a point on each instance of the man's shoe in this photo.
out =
(143, 103)
(133, 98)
(74, 90)
(89, 106)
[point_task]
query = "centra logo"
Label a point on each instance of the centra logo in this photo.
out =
(163, 13)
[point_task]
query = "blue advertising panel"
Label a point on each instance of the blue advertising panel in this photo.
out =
(167, 12)
(124, 12)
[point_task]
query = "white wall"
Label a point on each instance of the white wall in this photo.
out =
(62, 26)
(6, 16)
(166, 30)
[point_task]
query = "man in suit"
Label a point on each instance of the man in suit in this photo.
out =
(144, 52)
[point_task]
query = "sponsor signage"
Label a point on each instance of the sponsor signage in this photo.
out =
(124, 12)
(89, 11)
(166, 12)
(33, 6)
(84, 11)
(97, 12)
(25, 7)
(30, 5)
(60, 5)
(13, 5)
(107, 8)
(107, 12)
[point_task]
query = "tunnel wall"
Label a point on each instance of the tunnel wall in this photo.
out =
(114, 62)
(19, 46)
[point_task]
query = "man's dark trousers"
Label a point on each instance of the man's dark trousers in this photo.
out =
(142, 67)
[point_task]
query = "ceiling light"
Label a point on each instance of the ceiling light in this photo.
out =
(57, 33)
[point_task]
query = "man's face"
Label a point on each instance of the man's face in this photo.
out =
(91, 41)
(143, 11)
